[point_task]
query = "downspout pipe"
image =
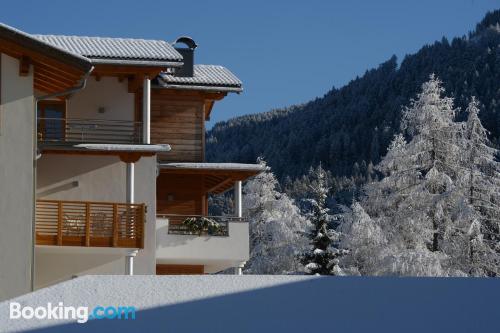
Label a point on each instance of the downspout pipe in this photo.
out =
(37, 155)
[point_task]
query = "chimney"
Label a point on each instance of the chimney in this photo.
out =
(187, 52)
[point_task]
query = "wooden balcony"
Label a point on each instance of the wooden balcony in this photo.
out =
(90, 224)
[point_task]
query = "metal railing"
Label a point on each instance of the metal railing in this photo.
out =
(176, 224)
(72, 130)
(84, 223)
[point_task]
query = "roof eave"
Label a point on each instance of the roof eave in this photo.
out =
(111, 148)
(36, 45)
(132, 62)
(199, 87)
(219, 167)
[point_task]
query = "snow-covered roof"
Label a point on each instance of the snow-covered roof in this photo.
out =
(160, 148)
(109, 147)
(205, 77)
(109, 50)
(215, 166)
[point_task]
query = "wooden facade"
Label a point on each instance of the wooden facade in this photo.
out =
(178, 119)
(179, 269)
(180, 194)
(185, 191)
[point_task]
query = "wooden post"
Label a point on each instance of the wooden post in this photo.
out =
(87, 224)
(115, 225)
(59, 223)
(140, 225)
(146, 111)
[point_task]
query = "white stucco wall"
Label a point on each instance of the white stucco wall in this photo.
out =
(16, 178)
(108, 93)
(94, 178)
(215, 253)
(58, 264)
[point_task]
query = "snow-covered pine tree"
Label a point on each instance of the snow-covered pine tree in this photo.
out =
(364, 240)
(388, 233)
(276, 227)
(434, 149)
(420, 205)
(480, 180)
(323, 256)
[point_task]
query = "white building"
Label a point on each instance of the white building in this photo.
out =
(102, 161)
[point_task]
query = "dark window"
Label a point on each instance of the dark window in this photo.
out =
(51, 120)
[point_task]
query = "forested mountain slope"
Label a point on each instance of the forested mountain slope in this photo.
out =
(350, 127)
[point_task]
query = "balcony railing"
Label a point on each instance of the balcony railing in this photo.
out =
(71, 131)
(90, 224)
(176, 225)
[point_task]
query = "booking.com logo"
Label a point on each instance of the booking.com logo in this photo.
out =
(61, 312)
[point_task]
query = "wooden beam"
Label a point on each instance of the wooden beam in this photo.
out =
(235, 174)
(115, 225)
(24, 65)
(59, 223)
(138, 105)
(135, 83)
(179, 269)
(211, 180)
(57, 73)
(219, 185)
(215, 96)
(47, 86)
(50, 82)
(46, 72)
(130, 157)
(187, 94)
(209, 104)
(87, 224)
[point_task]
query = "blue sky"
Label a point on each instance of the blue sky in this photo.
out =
(286, 52)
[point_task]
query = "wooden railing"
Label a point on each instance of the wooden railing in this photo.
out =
(177, 227)
(90, 224)
(72, 130)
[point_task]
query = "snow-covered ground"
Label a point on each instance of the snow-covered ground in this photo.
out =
(229, 303)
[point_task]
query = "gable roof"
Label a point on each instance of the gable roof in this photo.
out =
(34, 44)
(117, 51)
(84, 52)
(205, 77)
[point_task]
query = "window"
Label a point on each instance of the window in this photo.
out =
(51, 120)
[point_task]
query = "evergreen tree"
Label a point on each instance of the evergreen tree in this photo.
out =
(276, 227)
(365, 242)
(425, 206)
(323, 255)
(481, 183)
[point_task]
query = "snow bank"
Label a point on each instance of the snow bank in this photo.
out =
(229, 303)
